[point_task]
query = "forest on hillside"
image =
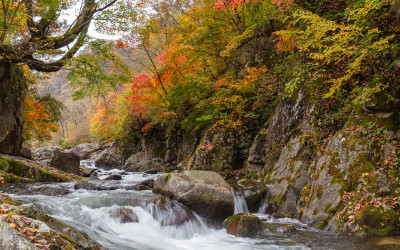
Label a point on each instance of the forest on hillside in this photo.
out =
(225, 64)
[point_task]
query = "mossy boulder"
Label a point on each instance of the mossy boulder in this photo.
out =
(204, 192)
(243, 225)
(378, 221)
(19, 170)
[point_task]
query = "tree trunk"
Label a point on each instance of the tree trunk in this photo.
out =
(12, 93)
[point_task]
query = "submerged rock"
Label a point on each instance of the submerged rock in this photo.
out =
(125, 215)
(42, 190)
(115, 177)
(204, 192)
(168, 212)
(243, 225)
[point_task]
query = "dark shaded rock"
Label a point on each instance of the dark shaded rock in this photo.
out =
(26, 152)
(151, 171)
(204, 192)
(148, 183)
(88, 185)
(223, 150)
(243, 225)
(67, 162)
(125, 215)
(86, 172)
(142, 187)
(115, 177)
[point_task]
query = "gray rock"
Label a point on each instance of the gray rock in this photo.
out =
(12, 239)
(85, 149)
(204, 192)
(140, 162)
(86, 172)
(45, 154)
(114, 177)
(26, 152)
(110, 157)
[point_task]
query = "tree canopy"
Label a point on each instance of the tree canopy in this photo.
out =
(31, 30)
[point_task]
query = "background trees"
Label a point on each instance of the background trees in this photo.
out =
(31, 31)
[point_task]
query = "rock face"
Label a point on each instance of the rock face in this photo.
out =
(243, 225)
(221, 151)
(85, 149)
(139, 162)
(330, 183)
(45, 154)
(12, 93)
(204, 192)
(110, 157)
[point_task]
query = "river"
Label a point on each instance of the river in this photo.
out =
(91, 211)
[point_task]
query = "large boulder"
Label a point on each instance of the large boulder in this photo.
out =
(65, 161)
(243, 225)
(204, 192)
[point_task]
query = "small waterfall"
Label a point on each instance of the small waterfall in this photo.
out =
(88, 163)
(240, 203)
(264, 203)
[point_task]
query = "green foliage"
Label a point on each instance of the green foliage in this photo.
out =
(98, 72)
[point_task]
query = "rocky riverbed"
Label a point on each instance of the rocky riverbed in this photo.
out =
(117, 214)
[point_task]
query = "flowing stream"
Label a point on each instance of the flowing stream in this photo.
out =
(161, 227)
